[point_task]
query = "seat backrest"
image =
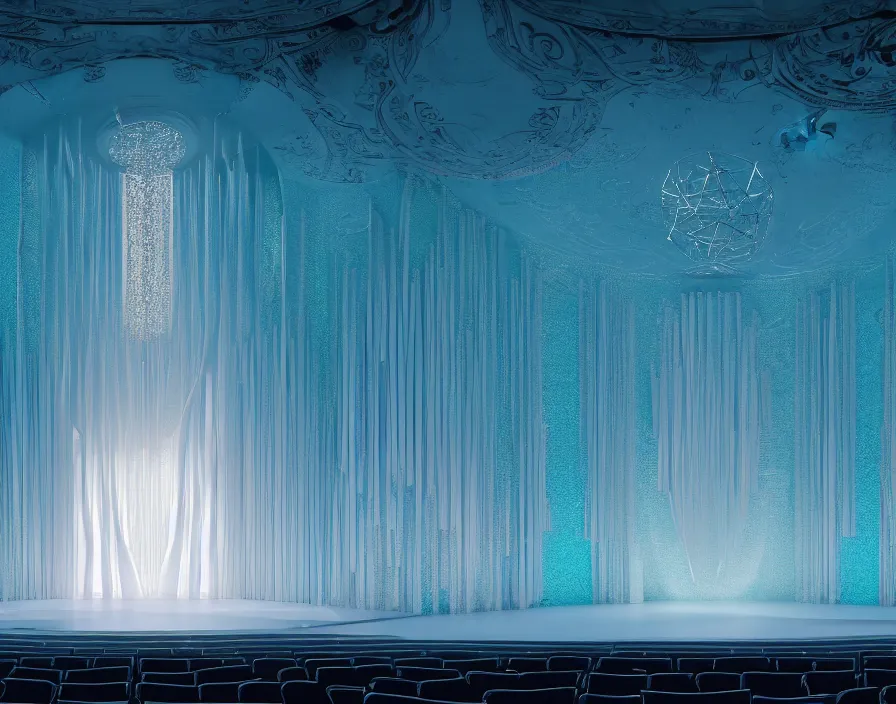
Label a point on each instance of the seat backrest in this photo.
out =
(738, 696)
(888, 695)
(70, 662)
(364, 674)
(393, 685)
(832, 682)
(836, 664)
(418, 662)
(471, 664)
(456, 689)
(259, 693)
(303, 692)
(382, 698)
(627, 666)
(555, 679)
(783, 685)
(718, 682)
(879, 662)
(187, 679)
(35, 673)
(741, 664)
(28, 691)
(563, 663)
(104, 692)
(609, 699)
(7, 666)
(346, 695)
(419, 674)
(859, 695)
(605, 683)
(292, 674)
(39, 662)
(561, 695)
(361, 660)
(525, 664)
(156, 692)
(114, 661)
(800, 664)
(682, 682)
(164, 665)
(821, 699)
(228, 673)
(696, 665)
(268, 668)
(312, 665)
(220, 692)
(481, 682)
(873, 678)
(98, 675)
(327, 676)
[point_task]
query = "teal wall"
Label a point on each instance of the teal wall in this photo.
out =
(10, 179)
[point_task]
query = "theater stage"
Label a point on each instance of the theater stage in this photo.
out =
(656, 621)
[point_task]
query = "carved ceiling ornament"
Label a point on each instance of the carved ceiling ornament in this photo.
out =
(515, 92)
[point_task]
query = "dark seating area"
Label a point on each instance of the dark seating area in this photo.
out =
(193, 669)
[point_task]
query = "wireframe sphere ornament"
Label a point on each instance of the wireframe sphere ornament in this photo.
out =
(717, 209)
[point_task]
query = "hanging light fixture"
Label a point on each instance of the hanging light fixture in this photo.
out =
(149, 151)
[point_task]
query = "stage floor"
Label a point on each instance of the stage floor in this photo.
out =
(656, 621)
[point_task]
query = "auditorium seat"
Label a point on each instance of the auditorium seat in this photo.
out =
(741, 664)
(7, 666)
(419, 674)
(167, 693)
(821, 699)
(312, 664)
(609, 699)
(220, 692)
(345, 695)
(737, 696)
(227, 673)
(268, 668)
(184, 678)
(456, 689)
(98, 675)
(303, 692)
(381, 698)
(292, 674)
(113, 661)
(562, 695)
(859, 695)
(393, 685)
(481, 682)
(782, 685)
(20, 691)
(164, 665)
(527, 664)
(35, 673)
(37, 662)
(70, 662)
(435, 663)
(681, 682)
(105, 692)
(362, 660)
(835, 664)
(259, 693)
(870, 678)
(603, 683)
(628, 666)
(569, 662)
(718, 682)
(831, 682)
(879, 662)
(556, 679)
(801, 664)
(888, 695)
(472, 664)
(695, 665)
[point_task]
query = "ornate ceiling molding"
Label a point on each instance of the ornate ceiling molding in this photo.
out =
(705, 19)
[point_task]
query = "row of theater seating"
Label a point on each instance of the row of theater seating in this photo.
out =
(45, 673)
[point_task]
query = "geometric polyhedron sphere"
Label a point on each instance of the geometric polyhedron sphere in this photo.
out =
(717, 208)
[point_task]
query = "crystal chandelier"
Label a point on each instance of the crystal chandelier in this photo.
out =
(148, 151)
